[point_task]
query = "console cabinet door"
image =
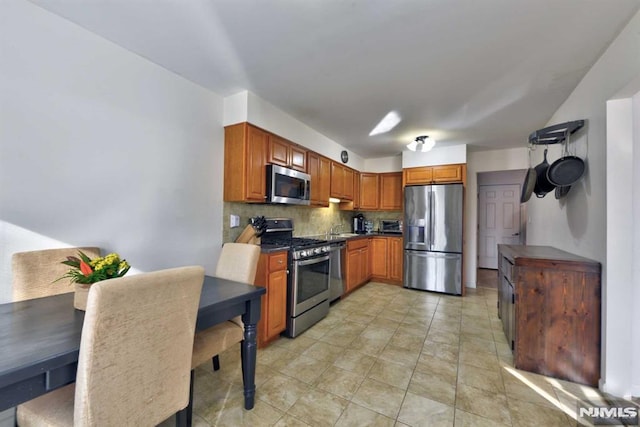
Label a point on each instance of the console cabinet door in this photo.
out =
(369, 191)
(379, 258)
(245, 158)
(396, 258)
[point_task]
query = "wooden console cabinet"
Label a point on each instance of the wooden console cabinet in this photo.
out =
(549, 304)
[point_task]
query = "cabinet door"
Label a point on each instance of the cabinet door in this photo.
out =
(353, 269)
(379, 257)
(357, 190)
(366, 265)
(396, 258)
(418, 176)
(255, 172)
(391, 191)
(348, 183)
(369, 191)
(278, 151)
(276, 314)
(319, 169)
(298, 158)
(447, 173)
(337, 180)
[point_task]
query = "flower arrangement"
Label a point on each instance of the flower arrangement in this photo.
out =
(87, 271)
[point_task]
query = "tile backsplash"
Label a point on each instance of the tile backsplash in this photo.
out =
(307, 221)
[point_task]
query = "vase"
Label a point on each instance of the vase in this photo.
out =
(80, 296)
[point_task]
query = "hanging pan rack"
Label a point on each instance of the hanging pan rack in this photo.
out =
(554, 134)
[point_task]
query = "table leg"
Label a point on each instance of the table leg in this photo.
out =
(248, 352)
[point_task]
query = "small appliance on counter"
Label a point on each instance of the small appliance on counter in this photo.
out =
(390, 226)
(368, 227)
(359, 224)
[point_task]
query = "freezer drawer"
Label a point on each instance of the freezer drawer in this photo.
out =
(433, 271)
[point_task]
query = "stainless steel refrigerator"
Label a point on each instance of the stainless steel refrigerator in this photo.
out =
(433, 237)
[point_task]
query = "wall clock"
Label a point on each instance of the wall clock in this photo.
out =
(344, 156)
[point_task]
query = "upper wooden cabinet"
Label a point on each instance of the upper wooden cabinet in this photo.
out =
(455, 173)
(287, 154)
(319, 168)
(342, 181)
(245, 158)
(391, 191)
(369, 191)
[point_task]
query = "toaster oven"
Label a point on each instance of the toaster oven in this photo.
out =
(390, 226)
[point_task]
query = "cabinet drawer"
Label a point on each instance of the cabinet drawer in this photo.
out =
(507, 268)
(357, 244)
(278, 261)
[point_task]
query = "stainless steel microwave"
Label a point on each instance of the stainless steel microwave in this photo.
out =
(287, 186)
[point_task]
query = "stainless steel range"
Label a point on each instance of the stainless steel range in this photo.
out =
(309, 272)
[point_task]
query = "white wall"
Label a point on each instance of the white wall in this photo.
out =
(100, 146)
(438, 155)
(579, 224)
(483, 161)
(622, 296)
(246, 106)
(383, 164)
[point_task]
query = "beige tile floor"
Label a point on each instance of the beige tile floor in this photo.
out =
(388, 356)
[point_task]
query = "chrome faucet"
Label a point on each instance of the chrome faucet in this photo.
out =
(334, 229)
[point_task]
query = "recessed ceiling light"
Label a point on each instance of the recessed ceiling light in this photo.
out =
(387, 123)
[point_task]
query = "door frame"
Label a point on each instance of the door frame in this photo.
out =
(504, 177)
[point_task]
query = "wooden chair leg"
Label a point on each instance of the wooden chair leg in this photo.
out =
(216, 363)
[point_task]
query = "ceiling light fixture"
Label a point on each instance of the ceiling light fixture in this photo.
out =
(421, 144)
(387, 123)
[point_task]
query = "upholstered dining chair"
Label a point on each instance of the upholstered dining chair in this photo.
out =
(34, 272)
(237, 262)
(135, 354)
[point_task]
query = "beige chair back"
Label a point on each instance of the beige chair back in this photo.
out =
(238, 262)
(135, 352)
(34, 272)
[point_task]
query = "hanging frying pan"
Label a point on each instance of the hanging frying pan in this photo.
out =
(529, 182)
(543, 186)
(567, 169)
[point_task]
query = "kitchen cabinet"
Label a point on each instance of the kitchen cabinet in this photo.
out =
(272, 274)
(319, 168)
(396, 259)
(379, 258)
(245, 158)
(369, 191)
(549, 305)
(287, 154)
(442, 174)
(357, 265)
(387, 259)
(342, 181)
(391, 191)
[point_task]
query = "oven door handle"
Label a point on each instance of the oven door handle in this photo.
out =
(312, 260)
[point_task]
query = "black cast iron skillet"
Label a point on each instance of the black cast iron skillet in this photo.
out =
(567, 169)
(527, 187)
(543, 185)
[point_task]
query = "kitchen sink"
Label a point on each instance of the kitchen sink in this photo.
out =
(347, 235)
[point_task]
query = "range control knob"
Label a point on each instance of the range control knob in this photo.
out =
(302, 253)
(325, 249)
(316, 251)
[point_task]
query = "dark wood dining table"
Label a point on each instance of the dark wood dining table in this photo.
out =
(40, 338)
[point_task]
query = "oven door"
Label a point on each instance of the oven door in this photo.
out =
(309, 284)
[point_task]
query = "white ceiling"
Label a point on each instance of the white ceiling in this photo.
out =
(485, 73)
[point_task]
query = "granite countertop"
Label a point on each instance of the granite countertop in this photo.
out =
(330, 238)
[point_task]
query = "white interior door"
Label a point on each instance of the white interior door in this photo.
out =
(498, 221)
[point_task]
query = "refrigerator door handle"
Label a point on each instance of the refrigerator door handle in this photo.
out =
(431, 198)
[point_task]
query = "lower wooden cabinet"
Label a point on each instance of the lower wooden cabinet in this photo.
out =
(272, 274)
(387, 259)
(549, 304)
(357, 263)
